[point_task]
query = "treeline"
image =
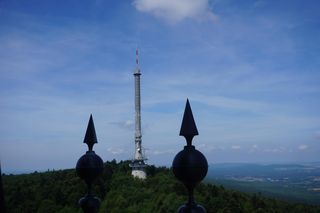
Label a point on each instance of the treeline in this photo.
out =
(59, 191)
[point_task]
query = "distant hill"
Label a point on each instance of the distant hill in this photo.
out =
(292, 182)
(59, 191)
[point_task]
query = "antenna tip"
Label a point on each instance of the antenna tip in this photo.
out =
(137, 56)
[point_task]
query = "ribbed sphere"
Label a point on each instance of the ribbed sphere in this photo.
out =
(89, 166)
(190, 166)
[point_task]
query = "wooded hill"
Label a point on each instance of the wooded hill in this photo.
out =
(59, 191)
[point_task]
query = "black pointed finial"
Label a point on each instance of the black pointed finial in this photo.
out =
(188, 126)
(88, 168)
(190, 166)
(90, 138)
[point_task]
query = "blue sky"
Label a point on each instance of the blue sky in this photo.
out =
(250, 69)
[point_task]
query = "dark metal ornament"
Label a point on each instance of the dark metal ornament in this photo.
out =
(2, 203)
(90, 138)
(88, 168)
(190, 166)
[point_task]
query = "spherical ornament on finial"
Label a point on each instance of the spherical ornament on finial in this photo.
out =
(190, 166)
(89, 167)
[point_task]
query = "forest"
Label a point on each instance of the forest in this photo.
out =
(60, 191)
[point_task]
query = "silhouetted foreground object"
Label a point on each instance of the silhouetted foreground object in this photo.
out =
(2, 205)
(89, 167)
(190, 166)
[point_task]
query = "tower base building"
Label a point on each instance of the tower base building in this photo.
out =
(138, 169)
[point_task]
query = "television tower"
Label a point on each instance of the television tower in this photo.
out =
(138, 165)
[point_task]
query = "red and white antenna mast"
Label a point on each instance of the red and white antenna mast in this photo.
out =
(137, 57)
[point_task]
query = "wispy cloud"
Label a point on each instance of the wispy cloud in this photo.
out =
(254, 148)
(236, 147)
(177, 10)
(275, 150)
(127, 125)
(303, 147)
(117, 151)
(162, 152)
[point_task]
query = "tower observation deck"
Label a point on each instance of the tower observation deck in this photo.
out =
(138, 165)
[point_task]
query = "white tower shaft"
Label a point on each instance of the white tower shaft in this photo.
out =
(138, 165)
(137, 104)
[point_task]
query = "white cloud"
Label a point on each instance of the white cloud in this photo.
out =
(254, 148)
(162, 152)
(206, 148)
(126, 125)
(235, 147)
(276, 150)
(176, 10)
(117, 151)
(303, 147)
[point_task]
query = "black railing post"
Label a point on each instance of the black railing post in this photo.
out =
(2, 202)
(88, 168)
(190, 166)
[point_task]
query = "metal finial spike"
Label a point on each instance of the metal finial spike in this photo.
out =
(188, 126)
(90, 138)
